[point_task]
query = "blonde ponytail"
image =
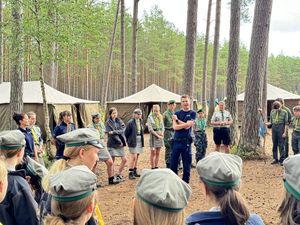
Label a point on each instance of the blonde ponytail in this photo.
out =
(53, 220)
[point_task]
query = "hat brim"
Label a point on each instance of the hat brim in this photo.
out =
(99, 145)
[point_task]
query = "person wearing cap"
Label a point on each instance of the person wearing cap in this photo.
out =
(279, 125)
(161, 197)
(104, 155)
(73, 196)
(296, 130)
(21, 120)
(134, 134)
(116, 140)
(200, 135)
(37, 136)
(221, 120)
(220, 178)
(289, 114)
(156, 129)
(183, 122)
(289, 206)
(169, 131)
(82, 147)
(64, 126)
(18, 206)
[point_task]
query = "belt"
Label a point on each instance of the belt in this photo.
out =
(157, 129)
(171, 129)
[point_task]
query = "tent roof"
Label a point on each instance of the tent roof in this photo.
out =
(32, 93)
(153, 93)
(273, 93)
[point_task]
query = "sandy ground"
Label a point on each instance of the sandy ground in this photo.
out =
(261, 187)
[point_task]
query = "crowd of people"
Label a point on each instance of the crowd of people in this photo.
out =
(66, 193)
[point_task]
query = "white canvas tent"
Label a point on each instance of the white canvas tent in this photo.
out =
(143, 99)
(57, 101)
(273, 93)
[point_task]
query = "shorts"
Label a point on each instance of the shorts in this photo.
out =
(139, 148)
(116, 152)
(104, 155)
(222, 135)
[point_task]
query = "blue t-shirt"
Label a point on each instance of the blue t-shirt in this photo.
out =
(184, 116)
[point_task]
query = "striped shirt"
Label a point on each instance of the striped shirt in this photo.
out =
(221, 116)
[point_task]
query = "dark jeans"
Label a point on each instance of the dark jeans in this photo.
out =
(278, 142)
(286, 145)
(183, 149)
(296, 142)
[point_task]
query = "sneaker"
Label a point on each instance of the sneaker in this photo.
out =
(274, 162)
(136, 174)
(131, 175)
(113, 181)
(120, 178)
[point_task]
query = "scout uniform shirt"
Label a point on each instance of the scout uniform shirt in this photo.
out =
(168, 121)
(200, 124)
(296, 125)
(100, 127)
(289, 114)
(278, 117)
(221, 116)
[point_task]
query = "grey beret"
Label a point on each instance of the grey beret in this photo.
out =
(138, 111)
(220, 169)
(73, 184)
(81, 137)
(95, 115)
(291, 175)
(35, 169)
(12, 140)
(163, 189)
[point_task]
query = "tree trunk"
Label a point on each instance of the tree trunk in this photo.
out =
(213, 88)
(265, 94)
(41, 72)
(233, 66)
(190, 48)
(87, 74)
(16, 89)
(1, 44)
(112, 42)
(204, 75)
(134, 48)
(123, 72)
(256, 68)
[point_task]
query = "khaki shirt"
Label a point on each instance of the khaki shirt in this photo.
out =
(168, 121)
(221, 116)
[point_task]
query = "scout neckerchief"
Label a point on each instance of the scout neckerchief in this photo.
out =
(68, 127)
(157, 121)
(34, 135)
(277, 117)
(99, 128)
(99, 214)
(138, 126)
(200, 123)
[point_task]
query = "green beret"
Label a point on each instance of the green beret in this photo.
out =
(12, 140)
(163, 189)
(220, 169)
(72, 184)
(81, 137)
(171, 102)
(200, 110)
(291, 175)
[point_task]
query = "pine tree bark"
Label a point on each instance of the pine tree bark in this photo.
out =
(256, 69)
(134, 47)
(213, 87)
(16, 89)
(112, 42)
(190, 48)
(204, 75)
(233, 66)
(123, 72)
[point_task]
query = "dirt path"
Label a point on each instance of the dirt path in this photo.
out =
(261, 187)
